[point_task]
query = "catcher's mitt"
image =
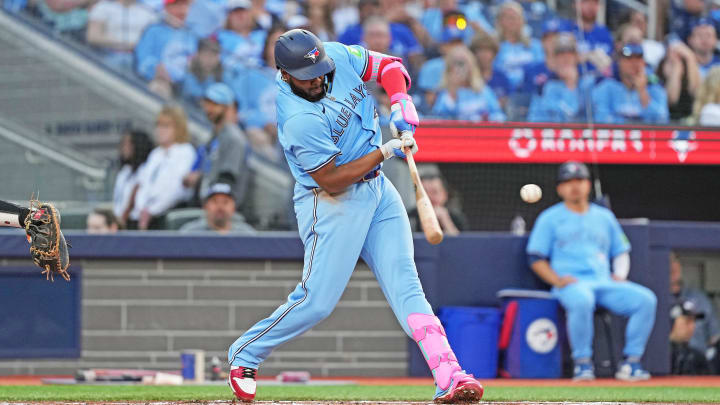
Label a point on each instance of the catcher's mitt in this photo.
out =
(47, 243)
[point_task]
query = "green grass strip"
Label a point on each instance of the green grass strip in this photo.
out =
(353, 393)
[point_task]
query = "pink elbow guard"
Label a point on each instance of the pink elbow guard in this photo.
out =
(407, 108)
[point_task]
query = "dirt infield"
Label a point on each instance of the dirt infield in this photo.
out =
(669, 381)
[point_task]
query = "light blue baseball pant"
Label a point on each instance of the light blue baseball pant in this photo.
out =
(623, 298)
(367, 220)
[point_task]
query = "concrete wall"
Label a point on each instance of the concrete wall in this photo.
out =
(142, 313)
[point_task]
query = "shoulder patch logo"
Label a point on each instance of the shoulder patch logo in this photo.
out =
(313, 55)
(354, 51)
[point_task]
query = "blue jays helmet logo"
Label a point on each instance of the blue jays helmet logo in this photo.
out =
(313, 55)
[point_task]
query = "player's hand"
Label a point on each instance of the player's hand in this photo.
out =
(617, 278)
(396, 147)
(565, 281)
(403, 116)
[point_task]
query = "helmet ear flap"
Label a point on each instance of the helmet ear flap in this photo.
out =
(329, 80)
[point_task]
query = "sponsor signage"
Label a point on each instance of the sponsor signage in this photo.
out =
(452, 141)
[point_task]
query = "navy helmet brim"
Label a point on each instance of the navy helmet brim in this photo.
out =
(320, 68)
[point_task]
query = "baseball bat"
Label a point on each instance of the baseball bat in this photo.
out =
(426, 213)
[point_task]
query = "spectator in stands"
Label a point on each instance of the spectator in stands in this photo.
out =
(319, 14)
(224, 157)
(165, 48)
(706, 109)
(683, 17)
(703, 41)
(206, 17)
(680, 74)
(537, 13)
(566, 96)
(220, 213)
(538, 73)
(632, 95)
(241, 43)
(264, 19)
(403, 42)
(205, 70)
(653, 51)
(68, 17)
(580, 249)
(377, 36)
(702, 332)
(135, 148)
(115, 27)
(516, 48)
(401, 12)
(256, 91)
(595, 43)
(428, 82)
(101, 222)
(160, 185)
(485, 47)
(451, 219)
(464, 95)
(470, 15)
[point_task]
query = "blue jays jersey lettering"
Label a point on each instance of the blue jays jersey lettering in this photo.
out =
(344, 125)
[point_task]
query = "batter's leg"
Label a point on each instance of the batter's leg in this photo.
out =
(333, 230)
(388, 250)
(12, 215)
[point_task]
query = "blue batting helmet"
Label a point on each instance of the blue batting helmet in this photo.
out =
(300, 53)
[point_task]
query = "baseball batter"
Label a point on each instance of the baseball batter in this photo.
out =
(345, 207)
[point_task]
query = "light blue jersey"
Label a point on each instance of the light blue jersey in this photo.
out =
(579, 245)
(582, 246)
(239, 52)
(365, 220)
(343, 125)
(162, 44)
(469, 105)
(512, 57)
(256, 91)
(558, 103)
(613, 103)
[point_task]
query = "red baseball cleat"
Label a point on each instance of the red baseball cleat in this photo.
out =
(242, 383)
(463, 388)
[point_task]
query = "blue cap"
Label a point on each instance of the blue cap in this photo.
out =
(572, 170)
(454, 27)
(631, 49)
(703, 21)
(219, 188)
(220, 93)
(555, 25)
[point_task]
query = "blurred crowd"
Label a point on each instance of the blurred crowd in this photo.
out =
(163, 182)
(490, 60)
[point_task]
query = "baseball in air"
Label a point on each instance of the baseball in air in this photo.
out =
(531, 193)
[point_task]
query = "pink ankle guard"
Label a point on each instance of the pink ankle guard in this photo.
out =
(429, 334)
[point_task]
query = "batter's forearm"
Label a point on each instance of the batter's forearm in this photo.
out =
(334, 179)
(545, 272)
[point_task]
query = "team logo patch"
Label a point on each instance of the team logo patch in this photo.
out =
(683, 142)
(356, 52)
(542, 335)
(313, 55)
